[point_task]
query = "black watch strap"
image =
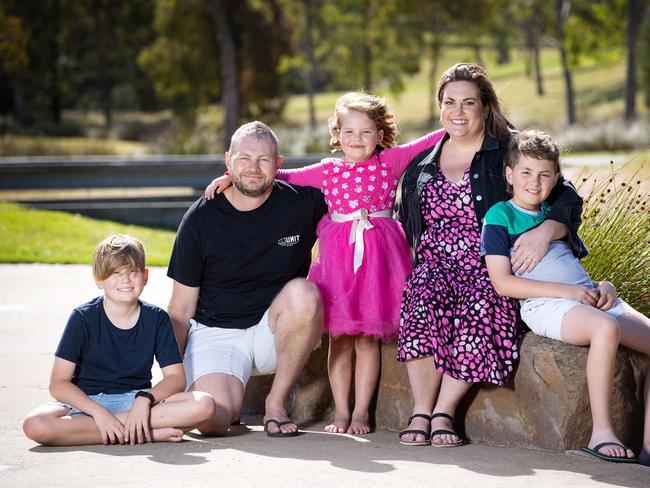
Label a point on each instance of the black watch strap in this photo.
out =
(146, 394)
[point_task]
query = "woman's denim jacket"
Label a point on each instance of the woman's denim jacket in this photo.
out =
(488, 187)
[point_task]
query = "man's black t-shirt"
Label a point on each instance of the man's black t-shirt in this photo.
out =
(241, 260)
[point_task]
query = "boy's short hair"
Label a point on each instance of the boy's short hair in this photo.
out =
(115, 252)
(534, 144)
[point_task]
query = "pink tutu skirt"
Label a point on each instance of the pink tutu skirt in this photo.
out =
(366, 302)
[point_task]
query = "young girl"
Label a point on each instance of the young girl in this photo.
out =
(363, 256)
(558, 299)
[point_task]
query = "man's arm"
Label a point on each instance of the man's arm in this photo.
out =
(181, 308)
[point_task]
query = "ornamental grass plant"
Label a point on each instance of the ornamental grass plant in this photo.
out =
(616, 230)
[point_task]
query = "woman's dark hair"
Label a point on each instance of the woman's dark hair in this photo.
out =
(496, 123)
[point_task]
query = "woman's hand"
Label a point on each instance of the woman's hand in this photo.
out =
(529, 249)
(136, 427)
(217, 186)
(606, 295)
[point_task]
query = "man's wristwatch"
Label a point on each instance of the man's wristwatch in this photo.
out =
(148, 395)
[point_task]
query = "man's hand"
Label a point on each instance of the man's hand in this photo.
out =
(136, 427)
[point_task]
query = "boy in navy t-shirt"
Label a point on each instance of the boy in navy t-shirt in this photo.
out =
(101, 377)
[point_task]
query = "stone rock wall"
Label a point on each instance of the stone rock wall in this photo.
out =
(546, 405)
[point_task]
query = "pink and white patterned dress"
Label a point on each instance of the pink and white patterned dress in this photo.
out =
(363, 257)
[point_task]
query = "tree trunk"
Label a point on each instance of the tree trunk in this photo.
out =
(477, 53)
(19, 105)
(367, 46)
(228, 52)
(102, 45)
(311, 58)
(562, 8)
(55, 89)
(435, 46)
(635, 14)
(537, 60)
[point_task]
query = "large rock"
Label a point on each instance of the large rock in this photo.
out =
(546, 406)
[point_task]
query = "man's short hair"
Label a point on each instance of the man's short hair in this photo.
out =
(256, 129)
(115, 252)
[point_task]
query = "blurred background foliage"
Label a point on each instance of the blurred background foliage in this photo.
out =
(179, 75)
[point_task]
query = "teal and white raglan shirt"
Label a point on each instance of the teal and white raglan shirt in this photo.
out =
(506, 221)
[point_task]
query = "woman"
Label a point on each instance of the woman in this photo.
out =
(455, 329)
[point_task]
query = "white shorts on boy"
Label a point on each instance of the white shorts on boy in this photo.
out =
(237, 352)
(544, 315)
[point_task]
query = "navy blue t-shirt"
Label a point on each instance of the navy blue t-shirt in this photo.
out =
(242, 259)
(113, 360)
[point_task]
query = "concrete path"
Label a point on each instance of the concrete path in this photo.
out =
(35, 301)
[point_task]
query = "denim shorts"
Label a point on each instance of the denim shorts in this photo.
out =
(113, 402)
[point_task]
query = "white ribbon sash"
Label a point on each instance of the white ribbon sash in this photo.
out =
(360, 224)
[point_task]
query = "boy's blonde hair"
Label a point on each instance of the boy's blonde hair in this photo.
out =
(115, 252)
(374, 107)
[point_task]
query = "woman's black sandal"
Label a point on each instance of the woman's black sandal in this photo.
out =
(425, 433)
(444, 431)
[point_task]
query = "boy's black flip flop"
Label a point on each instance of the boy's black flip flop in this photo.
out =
(595, 452)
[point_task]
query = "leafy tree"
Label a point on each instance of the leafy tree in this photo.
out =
(586, 28)
(80, 49)
(13, 62)
(191, 66)
(636, 10)
(644, 57)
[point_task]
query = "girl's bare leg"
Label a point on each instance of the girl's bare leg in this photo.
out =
(339, 366)
(366, 374)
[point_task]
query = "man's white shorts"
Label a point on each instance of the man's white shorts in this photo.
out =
(237, 352)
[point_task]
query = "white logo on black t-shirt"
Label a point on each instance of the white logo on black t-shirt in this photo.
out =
(289, 241)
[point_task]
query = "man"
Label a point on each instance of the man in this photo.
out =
(240, 304)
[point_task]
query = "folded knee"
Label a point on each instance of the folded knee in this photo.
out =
(38, 428)
(303, 296)
(204, 407)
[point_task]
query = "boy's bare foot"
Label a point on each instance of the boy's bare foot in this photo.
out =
(610, 450)
(360, 424)
(167, 434)
(339, 426)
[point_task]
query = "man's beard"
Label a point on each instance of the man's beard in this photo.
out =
(253, 192)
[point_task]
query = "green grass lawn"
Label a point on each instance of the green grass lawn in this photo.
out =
(43, 236)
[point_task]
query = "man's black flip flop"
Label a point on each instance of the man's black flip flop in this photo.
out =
(279, 433)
